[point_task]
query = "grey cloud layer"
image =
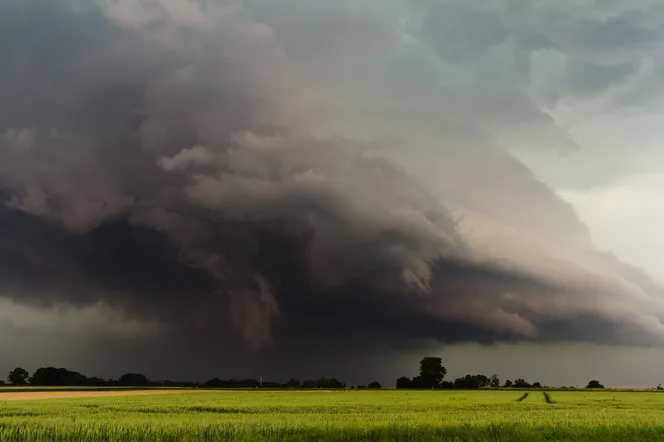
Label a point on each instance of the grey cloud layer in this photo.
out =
(255, 172)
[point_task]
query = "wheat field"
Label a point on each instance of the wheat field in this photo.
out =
(342, 415)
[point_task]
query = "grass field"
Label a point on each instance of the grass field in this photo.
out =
(340, 415)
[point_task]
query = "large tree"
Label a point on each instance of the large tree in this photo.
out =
(18, 376)
(133, 380)
(432, 372)
(471, 382)
(521, 383)
(594, 384)
(404, 382)
(51, 376)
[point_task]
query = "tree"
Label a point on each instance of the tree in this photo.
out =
(375, 385)
(594, 384)
(214, 383)
(328, 383)
(293, 383)
(96, 382)
(418, 382)
(507, 384)
(52, 377)
(18, 376)
(494, 382)
(521, 383)
(471, 382)
(404, 382)
(133, 380)
(432, 372)
(249, 383)
(481, 381)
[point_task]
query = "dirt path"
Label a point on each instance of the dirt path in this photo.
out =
(38, 395)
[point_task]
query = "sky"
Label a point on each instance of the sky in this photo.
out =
(194, 189)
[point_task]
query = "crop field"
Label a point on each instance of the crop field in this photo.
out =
(339, 415)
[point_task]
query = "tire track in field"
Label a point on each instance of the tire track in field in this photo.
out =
(547, 397)
(522, 397)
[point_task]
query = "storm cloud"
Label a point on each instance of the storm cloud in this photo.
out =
(272, 176)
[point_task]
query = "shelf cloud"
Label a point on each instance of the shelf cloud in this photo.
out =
(318, 170)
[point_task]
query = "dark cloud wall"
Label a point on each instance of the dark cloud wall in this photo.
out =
(209, 167)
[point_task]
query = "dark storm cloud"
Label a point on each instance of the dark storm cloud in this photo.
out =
(159, 158)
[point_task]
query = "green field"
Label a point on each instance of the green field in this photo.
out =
(340, 415)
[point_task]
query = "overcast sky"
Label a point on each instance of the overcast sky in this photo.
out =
(236, 184)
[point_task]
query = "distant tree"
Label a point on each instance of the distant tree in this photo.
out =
(293, 383)
(96, 382)
(471, 382)
(309, 383)
(494, 382)
(594, 384)
(327, 383)
(432, 372)
(214, 383)
(404, 382)
(521, 383)
(61, 377)
(481, 381)
(463, 383)
(133, 380)
(508, 383)
(249, 383)
(418, 382)
(232, 383)
(18, 376)
(537, 385)
(375, 385)
(2, 383)
(178, 384)
(447, 385)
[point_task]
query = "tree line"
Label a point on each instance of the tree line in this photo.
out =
(432, 373)
(431, 376)
(61, 377)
